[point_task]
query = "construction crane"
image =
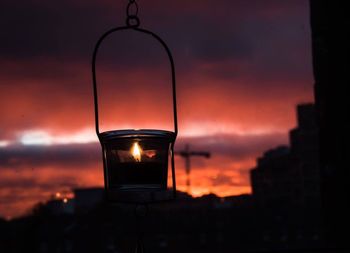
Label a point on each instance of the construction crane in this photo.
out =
(187, 154)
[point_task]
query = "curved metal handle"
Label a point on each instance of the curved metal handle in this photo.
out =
(172, 66)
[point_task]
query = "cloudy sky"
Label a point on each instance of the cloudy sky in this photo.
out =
(241, 67)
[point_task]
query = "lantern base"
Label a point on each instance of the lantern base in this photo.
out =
(139, 196)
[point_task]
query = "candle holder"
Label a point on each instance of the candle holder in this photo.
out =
(136, 162)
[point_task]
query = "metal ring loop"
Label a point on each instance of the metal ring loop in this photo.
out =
(128, 8)
(132, 21)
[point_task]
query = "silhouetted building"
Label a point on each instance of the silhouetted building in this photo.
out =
(5, 236)
(304, 142)
(331, 53)
(286, 176)
(286, 188)
(60, 206)
(87, 198)
(273, 178)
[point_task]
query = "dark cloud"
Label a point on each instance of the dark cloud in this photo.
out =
(62, 156)
(234, 146)
(85, 155)
(36, 29)
(22, 186)
(203, 31)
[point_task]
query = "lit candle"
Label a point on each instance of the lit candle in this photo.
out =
(136, 151)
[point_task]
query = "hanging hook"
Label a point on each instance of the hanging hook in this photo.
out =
(132, 10)
(132, 21)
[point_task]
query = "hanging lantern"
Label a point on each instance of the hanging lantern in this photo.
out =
(136, 162)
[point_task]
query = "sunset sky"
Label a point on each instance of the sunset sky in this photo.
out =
(241, 68)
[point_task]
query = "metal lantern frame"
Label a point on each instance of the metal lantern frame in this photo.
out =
(132, 24)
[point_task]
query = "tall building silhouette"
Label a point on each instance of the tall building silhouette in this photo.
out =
(331, 52)
(289, 176)
(286, 188)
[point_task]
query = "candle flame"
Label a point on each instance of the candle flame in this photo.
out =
(136, 152)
